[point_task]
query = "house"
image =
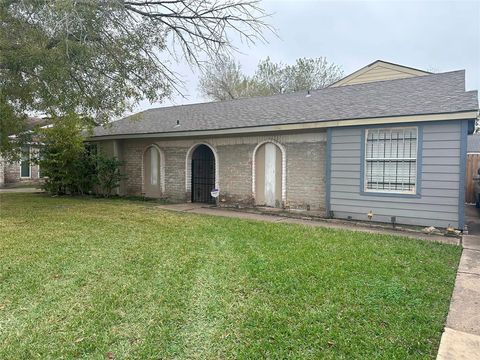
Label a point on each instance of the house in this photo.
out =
(387, 140)
(25, 171)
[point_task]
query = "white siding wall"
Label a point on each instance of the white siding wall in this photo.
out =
(438, 202)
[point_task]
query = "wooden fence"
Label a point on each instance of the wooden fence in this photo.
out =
(473, 164)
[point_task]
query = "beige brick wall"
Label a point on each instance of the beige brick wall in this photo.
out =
(11, 174)
(305, 154)
(306, 175)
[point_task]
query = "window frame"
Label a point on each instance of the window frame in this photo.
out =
(418, 160)
(155, 162)
(29, 163)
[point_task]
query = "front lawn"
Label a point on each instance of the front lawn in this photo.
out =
(89, 278)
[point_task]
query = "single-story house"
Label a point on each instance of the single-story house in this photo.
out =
(387, 140)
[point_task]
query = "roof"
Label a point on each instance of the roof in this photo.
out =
(379, 70)
(429, 94)
(473, 143)
(33, 121)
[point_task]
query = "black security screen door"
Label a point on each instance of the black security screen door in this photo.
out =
(203, 175)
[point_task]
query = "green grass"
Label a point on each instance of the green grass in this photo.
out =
(84, 277)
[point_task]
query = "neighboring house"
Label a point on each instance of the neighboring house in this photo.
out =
(22, 172)
(387, 140)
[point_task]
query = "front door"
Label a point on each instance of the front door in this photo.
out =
(203, 174)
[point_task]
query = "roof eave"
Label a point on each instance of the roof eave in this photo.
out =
(459, 115)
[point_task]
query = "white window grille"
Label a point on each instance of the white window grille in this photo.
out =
(391, 160)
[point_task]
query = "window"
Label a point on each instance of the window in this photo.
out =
(25, 162)
(391, 160)
(91, 149)
(154, 160)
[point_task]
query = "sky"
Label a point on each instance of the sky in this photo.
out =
(436, 36)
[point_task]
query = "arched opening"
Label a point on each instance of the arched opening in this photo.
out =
(269, 174)
(203, 177)
(153, 177)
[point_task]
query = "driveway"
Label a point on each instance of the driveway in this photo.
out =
(472, 218)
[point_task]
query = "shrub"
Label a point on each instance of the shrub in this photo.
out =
(72, 168)
(61, 155)
(108, 174)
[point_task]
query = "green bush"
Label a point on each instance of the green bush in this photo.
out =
(70, 167)
(108, 174)
(61, 156)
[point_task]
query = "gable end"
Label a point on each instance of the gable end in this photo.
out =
(379, 71)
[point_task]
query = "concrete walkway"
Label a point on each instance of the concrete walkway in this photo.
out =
(20, 190)
(328, 223)
(461, 338)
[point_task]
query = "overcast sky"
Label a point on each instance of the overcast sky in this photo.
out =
(431, 35)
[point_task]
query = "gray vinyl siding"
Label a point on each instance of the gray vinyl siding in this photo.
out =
(437, 200)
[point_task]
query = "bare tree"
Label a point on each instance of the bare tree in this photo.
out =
(202, 26)
(311, 74)
(224, 80)
(98, 58)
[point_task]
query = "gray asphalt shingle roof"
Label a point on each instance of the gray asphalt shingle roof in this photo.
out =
(429, 94)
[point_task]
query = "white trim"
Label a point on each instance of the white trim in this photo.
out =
(366, 159)
(188, 167)
(29, 164)
(303, 126)
(284, 168)
(162, 167)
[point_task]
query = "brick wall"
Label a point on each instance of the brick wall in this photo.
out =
(235, 162)
(12, 174)
(175, 172)
(305, 154)
(306, 175)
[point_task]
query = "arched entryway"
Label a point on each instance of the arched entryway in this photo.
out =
(153, 177)
(203, 174)
(269, 174)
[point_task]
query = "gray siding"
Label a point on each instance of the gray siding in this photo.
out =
(438, 201)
